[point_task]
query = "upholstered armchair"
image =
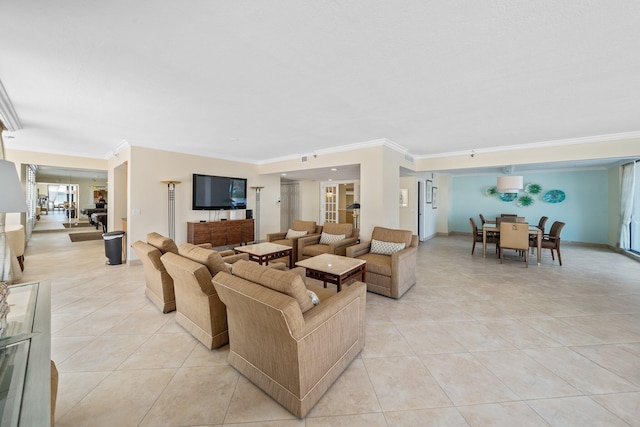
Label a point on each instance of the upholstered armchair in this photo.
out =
(198, 307)
(391, 261)
(159, 283)
(334, 239)
(290, 237)
(281, 342)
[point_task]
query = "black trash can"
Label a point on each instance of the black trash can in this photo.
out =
(113, 246)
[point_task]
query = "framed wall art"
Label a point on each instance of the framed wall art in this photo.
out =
(429, 187)
(434, 197)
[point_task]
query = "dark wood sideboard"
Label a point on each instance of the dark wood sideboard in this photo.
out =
(221, 233)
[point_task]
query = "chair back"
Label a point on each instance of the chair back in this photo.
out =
(474, 227)
(482, 221)
(542, 223)
(506, 219)
(514, 235)
(508, 215)
(520, 219)
(556, 228)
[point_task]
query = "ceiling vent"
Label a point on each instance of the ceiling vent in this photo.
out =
(303, 159)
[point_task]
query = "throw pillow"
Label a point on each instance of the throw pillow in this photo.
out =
(385, 248)
(314, 298)
(293, 233)
(327, 239)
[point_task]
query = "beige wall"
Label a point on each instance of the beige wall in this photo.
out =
(409, 214)
(147, 202)
(310, 200)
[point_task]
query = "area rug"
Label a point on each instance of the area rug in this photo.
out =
(77, 225)
(85, 237)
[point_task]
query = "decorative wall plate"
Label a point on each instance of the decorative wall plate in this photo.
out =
(508, 197)
(533, 189)
(553, 196)
(491, 191)
(524, 201)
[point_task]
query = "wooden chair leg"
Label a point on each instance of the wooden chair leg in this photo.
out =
(473, 248)
(21, 262)
(559, 257)
(552, 256)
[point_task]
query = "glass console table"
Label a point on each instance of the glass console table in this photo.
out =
(25, 354)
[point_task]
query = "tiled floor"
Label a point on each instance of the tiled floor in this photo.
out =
(474, 343)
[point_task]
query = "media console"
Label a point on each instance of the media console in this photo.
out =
(221, 233)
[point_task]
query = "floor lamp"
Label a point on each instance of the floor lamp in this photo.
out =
(171, 207)
(356, 212)
(12, 200)
(257, 239)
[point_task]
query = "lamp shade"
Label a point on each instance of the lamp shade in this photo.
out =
(355, 205)
(12, 198)
(509, 184)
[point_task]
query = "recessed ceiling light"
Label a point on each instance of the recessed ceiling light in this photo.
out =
(334, 169)
(283, 174)
(330, 179)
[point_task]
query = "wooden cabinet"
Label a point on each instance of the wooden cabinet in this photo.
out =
(221, 233)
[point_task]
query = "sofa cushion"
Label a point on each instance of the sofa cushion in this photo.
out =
(308, 226)
(377, 264)
(385, 248)
(314, 250)
(210, 259)
(284, 282)
(164, 244)
(338, 228)
(327, 239)
(294, 233)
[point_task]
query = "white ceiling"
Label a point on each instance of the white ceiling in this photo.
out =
(258, 80)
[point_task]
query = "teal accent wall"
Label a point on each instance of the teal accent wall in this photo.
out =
(585, 209)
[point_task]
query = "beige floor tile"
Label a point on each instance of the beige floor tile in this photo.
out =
(580, 372)
(93, 324)
(614, 358)
(202, 356)
(624, 405)
(474, 336)
(385, 341)
(250, 404)
(122, 399)
(403, 383)
(506, 414)
(73, 387)
(193, 396)
(465, 380)
(278, 423)
(143, 321)
(63, 347)
(519, 334)
(358, 420)
(524, 376)
(352, 393)
(161, 351)
(575, 411)
(102, 354)
(561, 332)
(606, 330)
(430, 338)
(440, 417)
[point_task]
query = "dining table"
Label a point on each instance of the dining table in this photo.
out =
(492, 227)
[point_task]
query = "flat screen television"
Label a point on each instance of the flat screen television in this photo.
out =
(218, 193)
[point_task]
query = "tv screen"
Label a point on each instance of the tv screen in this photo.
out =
(218, 192)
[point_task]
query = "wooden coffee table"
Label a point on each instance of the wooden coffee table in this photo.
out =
(262, 253)
(333, 269)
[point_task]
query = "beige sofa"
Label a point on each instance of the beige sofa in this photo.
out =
(290, 349)
(309, 227)
(389, 275)
(310, 246)
(198, 307)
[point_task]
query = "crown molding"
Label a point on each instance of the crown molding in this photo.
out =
(8, 114)
(386, 142)
(542, 144)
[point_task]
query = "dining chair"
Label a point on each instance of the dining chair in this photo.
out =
(551, 241)
(540, 226)
(508, 215)
(482, 221)
(514, 235)
(477, 236)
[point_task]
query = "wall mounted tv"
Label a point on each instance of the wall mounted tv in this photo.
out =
(218, 193)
